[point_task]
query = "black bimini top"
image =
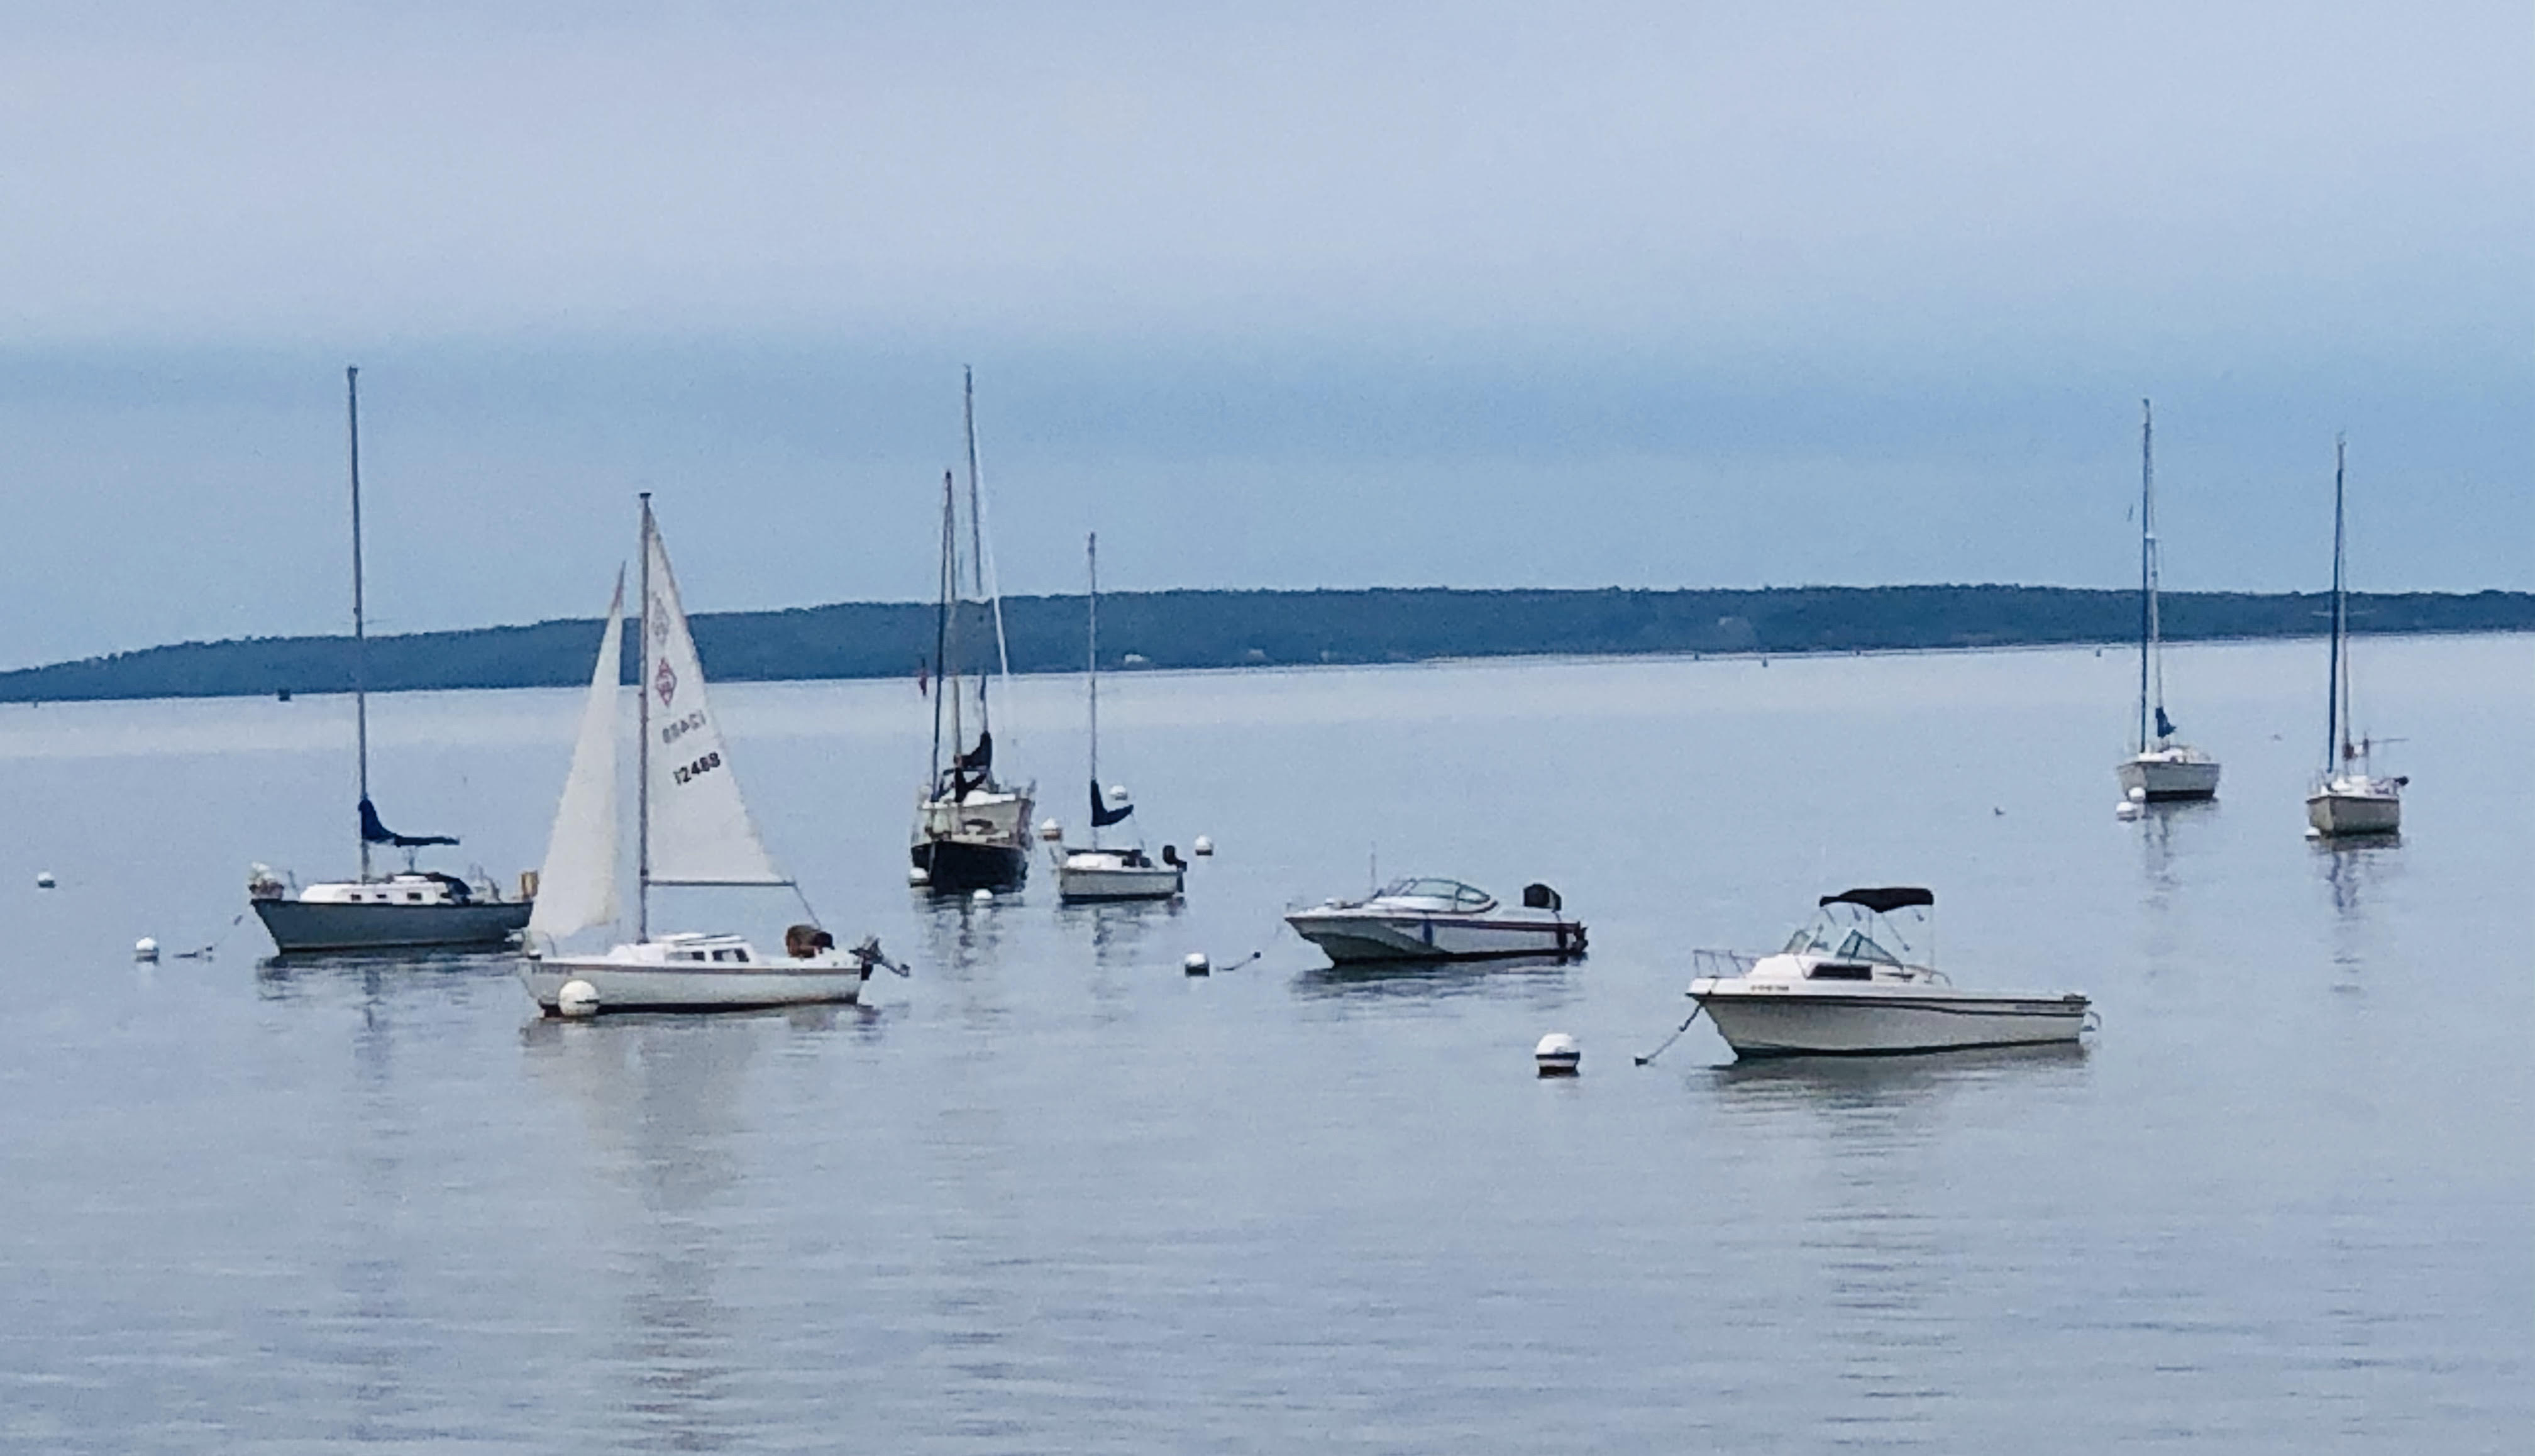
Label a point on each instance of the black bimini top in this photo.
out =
(1882, 899)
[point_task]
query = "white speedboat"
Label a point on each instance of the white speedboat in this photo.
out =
(693, 829)
(1840, 987)
(2159, 769)
(971, 829)
(2350, 798)
(1101, 873)
(416, 910)
(1440, 919)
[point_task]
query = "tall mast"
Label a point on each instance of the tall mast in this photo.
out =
(945, 680)
(2147, 550)
(950, 609)
(360, 628)
(976, 522)
(2336, 733)
(1092, 557)
(643, 741)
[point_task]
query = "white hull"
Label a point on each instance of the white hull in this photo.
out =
(1781, 1020)
(1107, 877)
(1349, 936)
(2333, 812)
(625, 986)
(2159, 775)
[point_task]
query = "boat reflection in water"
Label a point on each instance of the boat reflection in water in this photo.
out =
(1415, 979)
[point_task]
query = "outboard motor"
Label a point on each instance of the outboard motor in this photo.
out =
(1541, 897)
(1171, 857)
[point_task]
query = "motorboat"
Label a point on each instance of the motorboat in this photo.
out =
(971, 829)
(693, 829)
(2159, 769)
(1841, 986)
(1425, 919)
(412, 910)
(2350, 798)
(1099, 872)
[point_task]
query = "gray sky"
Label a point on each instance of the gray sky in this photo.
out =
(1316, 295)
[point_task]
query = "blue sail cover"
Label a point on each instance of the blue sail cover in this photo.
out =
(2164, 724)
(375, 832)
(1102, 815)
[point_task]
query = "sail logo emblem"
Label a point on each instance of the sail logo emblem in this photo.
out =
(666, 683)
(659, 621)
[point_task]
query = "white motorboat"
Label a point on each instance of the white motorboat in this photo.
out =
(1841, 987)
(415, 910)
(972, 830)
(693, 829)
(2159, 769)
(1101, 873)
(1440, 919)
(2350, 798)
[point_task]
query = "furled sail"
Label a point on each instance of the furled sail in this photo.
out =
(701, 831)
(373, 831)
(1102, 815)
(576, 888)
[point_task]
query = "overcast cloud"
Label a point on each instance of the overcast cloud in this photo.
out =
(1272, 296)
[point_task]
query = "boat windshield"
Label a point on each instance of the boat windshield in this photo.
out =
(1827, 936)
(1451, 892)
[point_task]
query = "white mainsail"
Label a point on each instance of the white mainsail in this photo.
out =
(701, 833)
(576, 888)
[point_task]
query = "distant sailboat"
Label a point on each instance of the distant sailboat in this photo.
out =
(410, 910)
(692, 828)
(1097, 872)
(2349, 798)
(2160, 769)
(972, 830)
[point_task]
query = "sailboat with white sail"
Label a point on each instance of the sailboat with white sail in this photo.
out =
(1099, 872)
(692, 828)
(2350, 798)
(408, 910)
(2160, 769)
(971, 829)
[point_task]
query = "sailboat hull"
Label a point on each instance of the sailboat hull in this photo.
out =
(963, 865)
(302, 928)
(2159, 777)
(660, 988)
(2337, 815)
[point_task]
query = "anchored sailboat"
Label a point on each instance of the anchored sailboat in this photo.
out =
(972, 830)
(2160, 769)
(2349, 798)
(692, 828)
(1100, 873)
(414, 909)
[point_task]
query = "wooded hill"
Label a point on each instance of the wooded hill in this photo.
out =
(1251, 629)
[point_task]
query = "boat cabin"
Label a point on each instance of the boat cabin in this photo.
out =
(416, 889)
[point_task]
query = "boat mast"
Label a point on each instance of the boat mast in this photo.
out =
(1091, 557)
(360, 630)
(2336, 733)
(643, 749)
(943, 676)
(2147, 558)
(977, 526)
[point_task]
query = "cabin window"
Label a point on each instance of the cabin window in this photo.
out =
(1837, 972)
(740, 956)
(414, 895)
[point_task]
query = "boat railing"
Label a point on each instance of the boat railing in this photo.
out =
(1722, 964)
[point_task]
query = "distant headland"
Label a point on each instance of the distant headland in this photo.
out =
(1270, 629)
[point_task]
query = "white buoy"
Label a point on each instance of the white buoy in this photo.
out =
(983, 894)
(1050, 831)
(1195, 963)
(1558, 1056)
(2126, 809)
(144, 948)
(1117, 793)
(577, 998)
(2139, 795)
(919, 876)
(43, 879)
(1203, 847)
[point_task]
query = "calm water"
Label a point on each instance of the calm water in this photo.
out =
(1051, 1194)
